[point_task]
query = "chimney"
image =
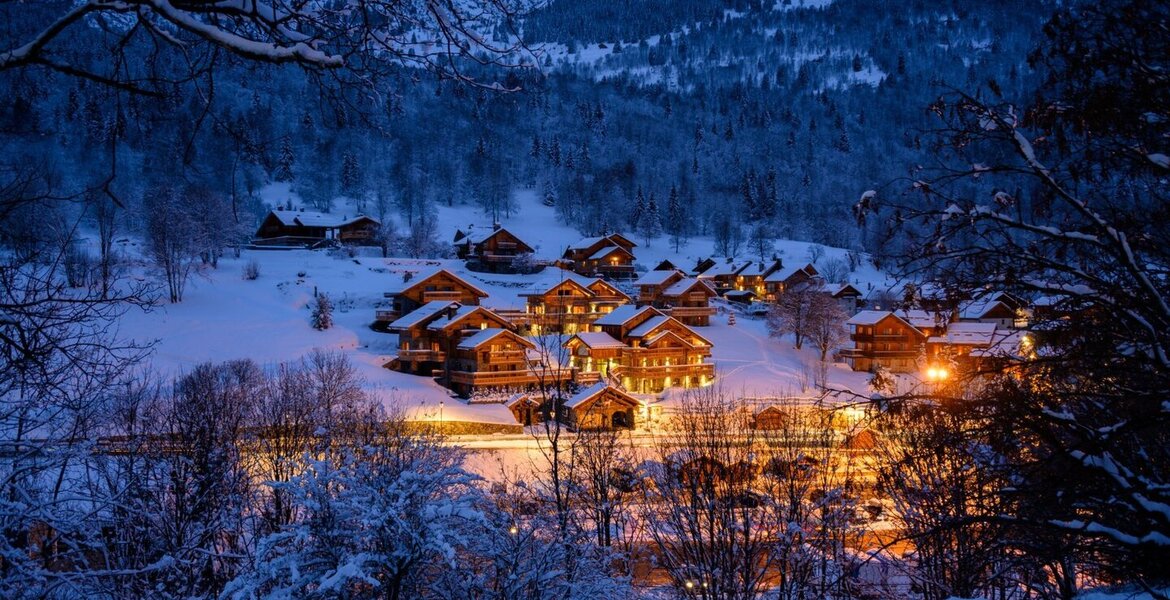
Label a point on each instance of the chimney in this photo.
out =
(451, 311)
(495, 226)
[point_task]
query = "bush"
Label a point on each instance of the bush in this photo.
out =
(251, 270)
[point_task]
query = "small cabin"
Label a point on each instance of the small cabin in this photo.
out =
(493, 249)
(600, 406)
(610, 256)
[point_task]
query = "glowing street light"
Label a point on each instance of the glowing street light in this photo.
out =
(937, 374)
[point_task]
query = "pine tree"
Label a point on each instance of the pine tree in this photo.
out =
(651, 224)
(677, 222)
(323, 313)
(350, 174)
(284, 166)
(639, 210)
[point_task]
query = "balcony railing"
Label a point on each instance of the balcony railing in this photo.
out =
(433, 295)
(707, 369)
(385, 316)
(507, 378)
(691, 311)
(422, 355)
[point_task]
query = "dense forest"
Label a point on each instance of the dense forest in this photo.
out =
(786, 113)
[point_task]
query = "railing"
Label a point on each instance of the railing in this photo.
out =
(422, 355)
(666, 371)
(506, 378)
(691, 311)
(884, 337)
(433, 295)
(587, 377)
(385, 316)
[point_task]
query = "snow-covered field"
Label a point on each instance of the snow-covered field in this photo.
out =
(223, 316)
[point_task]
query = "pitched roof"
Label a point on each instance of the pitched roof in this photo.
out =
(648, 325)
(596, 390)
(623, 314)
(968, 334)
(606, 251)
(783, 274)
(839, 289)
(870, 317)
(921, 318)
(421, 314)
(585, 243)
(290, 218)
(542, 289)
(598, 340)
(979, 307)
(417, 281)
(486, 335)
(685, 285)
(462, 313)
(657, 277)
(609, 287)
(668, 333)
(724, 269)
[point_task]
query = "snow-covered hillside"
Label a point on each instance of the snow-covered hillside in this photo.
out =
(223, 316)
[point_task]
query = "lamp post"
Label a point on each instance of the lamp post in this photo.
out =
(440, 415)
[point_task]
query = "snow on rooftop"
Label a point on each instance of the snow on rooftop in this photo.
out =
(656, 277)
(481, 337)
(868, 317)
(649, 325)
(621, 314)
(598, 340)
(683, 285)
(461, 312)
(422, 313)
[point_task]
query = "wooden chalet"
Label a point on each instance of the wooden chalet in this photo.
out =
(896, 341)
(752, 276)
(439, 285)
(600, 406)
(428, 335)
(703, 265)
(643, 350)
(493, 249)
(667, 265)
(684, 298)
(847, 296)
(499, 359)
(570, 305)
(610, 256)
(1000, 309)
(722, 276)
(783, 279)
(306, 228)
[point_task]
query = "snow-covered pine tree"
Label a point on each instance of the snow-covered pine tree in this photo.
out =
(323, 312)
(651, 224)
(639, 210)
(284, 164)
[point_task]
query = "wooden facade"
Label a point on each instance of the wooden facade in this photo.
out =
(570, 305)
(492, 249)
(782, 279)
(499, 359)
(439, 285)
(428, 335)
(610, 256)
(685, 298)
(895, 341)
(600, 406)
(303, 228)
(643, 350)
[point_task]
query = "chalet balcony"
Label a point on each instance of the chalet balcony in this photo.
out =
(686, 312)
(445, 295)
(497, 257)
(867, 353)
(508, 378)
(882, 337)
(385, 316)
(587, 377)
(422, 355)
(700, 369)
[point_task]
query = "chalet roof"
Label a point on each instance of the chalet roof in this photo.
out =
(920, 319)
(606, 251)
(967, 334)
(870, 317)
(1004, 343)
(668, 333)
(586, 243)
(979, 307)
(420, 280)
(609, 287)
(291, 218)
(462, 313)
(519, 398)
(598, 340)
(623, 314)
(685, 285)
(785, 273)
(544, 286)
(759, 269)
(648, 326)
(584, 396)
(657, 277)
(838, 290)
(724, 269)
(486, 335)
(421, 314)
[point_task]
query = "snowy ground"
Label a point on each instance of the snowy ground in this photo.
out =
(225, 317)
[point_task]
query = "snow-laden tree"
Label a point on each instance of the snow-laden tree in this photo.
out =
(379, 519)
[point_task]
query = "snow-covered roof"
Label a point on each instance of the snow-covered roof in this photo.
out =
(484, 336)
(316, 219)
(606, 251)
(782, 274)
(460, 313)
(868, 317)
(656, 277)
(667, 333)
(423, 278)
(979, 307)
(755, 269)
(968, 334)
(595, 390)
(835, 289)
(649, 325)
(622, 314)
(598, 340)
(920, 318)
(723, 269)
(422, 313)
(585, 243)
(684, 285)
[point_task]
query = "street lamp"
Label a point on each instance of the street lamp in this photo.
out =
(440, 415)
